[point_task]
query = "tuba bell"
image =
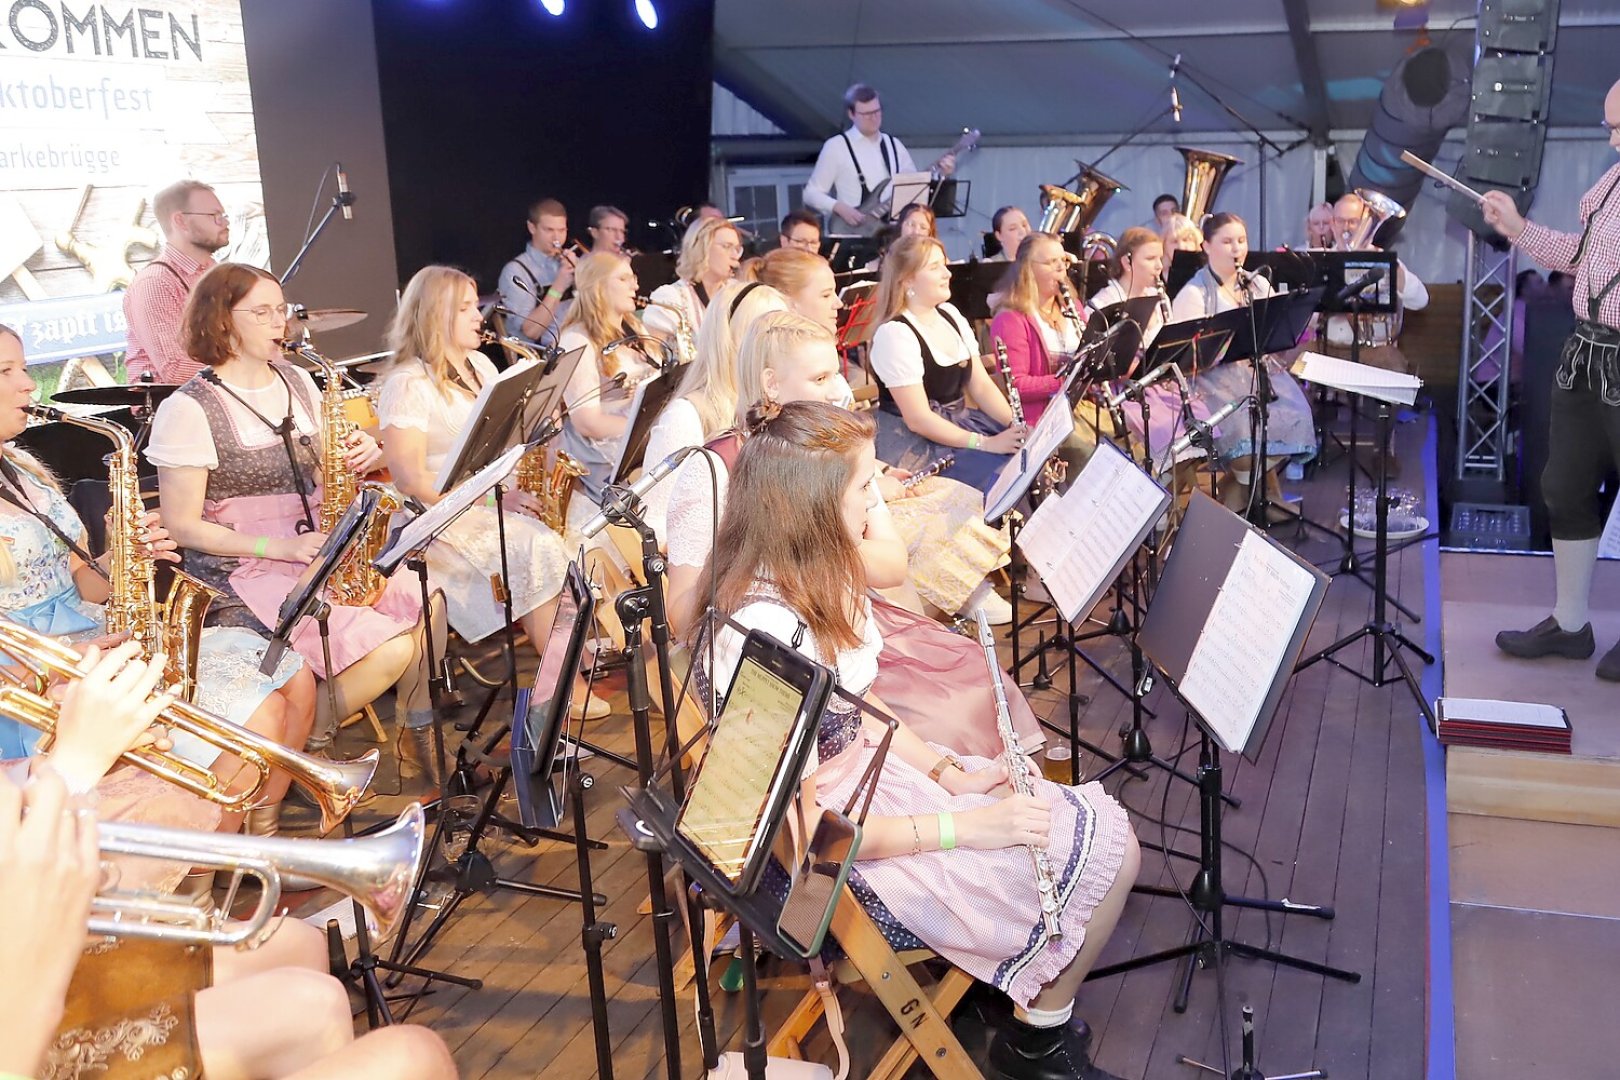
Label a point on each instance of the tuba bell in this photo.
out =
(1205, 171)
(1379, 209)
(1064, 211)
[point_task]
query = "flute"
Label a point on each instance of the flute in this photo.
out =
(1020, 777)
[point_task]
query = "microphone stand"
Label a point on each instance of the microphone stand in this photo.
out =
(340, 201)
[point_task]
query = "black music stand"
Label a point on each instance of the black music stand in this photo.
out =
(972, 283)
(1206, 599)
(651, 395)
(306, 600)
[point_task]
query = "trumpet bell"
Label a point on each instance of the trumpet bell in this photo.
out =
(377, 870)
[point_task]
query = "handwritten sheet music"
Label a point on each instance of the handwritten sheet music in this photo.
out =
(1079, 541)
(728, 796)
(1246, 639)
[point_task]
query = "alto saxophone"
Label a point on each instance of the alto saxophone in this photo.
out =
(1021, 778)
(685, 336)
(355, 583)
(174, 625)
(553, 487)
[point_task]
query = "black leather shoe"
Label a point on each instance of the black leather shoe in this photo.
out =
(1547, 638)
(1609, 667)
(1021, 1052)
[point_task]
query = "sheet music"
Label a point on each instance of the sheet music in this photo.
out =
(732, 787)
(1490, 711)
(421, 530)
(1395, 387)
(1245, 639)
(1056, 424)
(1079, 541)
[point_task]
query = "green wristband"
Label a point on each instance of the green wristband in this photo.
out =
(553, 294)
(261, 547)
(947, 832)
(489, 500)
(973, 440)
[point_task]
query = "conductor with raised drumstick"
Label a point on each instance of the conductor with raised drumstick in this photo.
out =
(1584, 433)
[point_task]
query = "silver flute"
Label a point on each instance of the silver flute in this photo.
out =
(1020, 775)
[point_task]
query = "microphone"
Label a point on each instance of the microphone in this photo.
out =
(1371, 277)
(523, 286)
(1134, 387)
(345, 197)
(1175, 94)
(618, 499)
(1200, 432)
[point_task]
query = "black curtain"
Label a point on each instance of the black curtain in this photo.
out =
(490, 104)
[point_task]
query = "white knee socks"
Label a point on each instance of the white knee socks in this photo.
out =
(1573, 563)
(1043, 1018)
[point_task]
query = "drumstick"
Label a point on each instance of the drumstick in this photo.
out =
(1445, 178)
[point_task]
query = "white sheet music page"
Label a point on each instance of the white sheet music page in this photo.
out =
(1245, 639)
(1395, 387)
(1079, 540)
(1055, 425)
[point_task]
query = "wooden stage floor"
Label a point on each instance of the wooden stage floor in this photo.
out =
(1333, 813)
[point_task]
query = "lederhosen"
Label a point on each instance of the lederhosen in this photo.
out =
(1584, 428)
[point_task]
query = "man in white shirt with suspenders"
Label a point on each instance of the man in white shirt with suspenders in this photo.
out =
(855, 163)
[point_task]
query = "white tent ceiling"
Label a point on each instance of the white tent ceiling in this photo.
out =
(1027, 70)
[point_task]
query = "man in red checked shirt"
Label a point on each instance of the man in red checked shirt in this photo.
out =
(1584, 433)
(194, 226)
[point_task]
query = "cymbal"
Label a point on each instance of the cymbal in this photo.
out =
(129, 397)
(318, 320)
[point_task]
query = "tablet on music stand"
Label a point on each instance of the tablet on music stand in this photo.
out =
(650, 398)
(544, 706)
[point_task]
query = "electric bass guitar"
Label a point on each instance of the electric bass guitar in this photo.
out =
(877, 208)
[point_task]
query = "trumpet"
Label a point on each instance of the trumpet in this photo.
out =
(377, 870)
(336, 786)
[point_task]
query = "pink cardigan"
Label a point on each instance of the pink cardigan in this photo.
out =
(1031, 363)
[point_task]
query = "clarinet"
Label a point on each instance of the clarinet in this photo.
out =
(1019, 776)
(1014, 400)
(934, 468)
(1066, 305)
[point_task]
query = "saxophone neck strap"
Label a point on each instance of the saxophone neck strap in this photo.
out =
(284, 429)
(14, 493)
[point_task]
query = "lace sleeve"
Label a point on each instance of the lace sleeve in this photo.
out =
(405, 402)
(693, 515)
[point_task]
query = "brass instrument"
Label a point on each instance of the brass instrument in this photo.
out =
(516, 347)
(355, 583)
(1379, 209)
(685, 335)
(336, 786)
(377, 870)
(1020, 777)
(1064, 211)
(553, 487)
(174, 625)
(1205, 171)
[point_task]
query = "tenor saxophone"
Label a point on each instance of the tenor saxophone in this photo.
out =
(553, 487)
(355, 583)
(1020, 776)
(172, 626)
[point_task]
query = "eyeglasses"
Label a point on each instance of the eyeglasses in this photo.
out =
(802, 243)
(870, 112)
(267, 314)
(731, 247)
(1608, 128)
(220, 217)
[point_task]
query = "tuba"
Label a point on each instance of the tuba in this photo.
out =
(377, 870)
(1065, 212)
(1205, 171)
(1379, 209)
(336, 786)
(172, 626)
(355, 583)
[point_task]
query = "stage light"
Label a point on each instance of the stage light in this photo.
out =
(647, 14)
(553, 7)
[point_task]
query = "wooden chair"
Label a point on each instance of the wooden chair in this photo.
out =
(922, 1016)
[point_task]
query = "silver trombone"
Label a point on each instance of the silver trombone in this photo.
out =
(377, 870)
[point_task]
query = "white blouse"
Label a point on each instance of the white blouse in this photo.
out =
(897, 356)
(408, 398)
(677, 427)
(181, 437)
